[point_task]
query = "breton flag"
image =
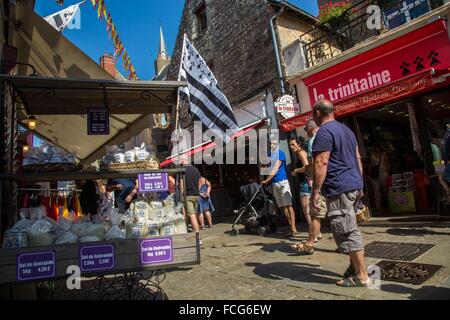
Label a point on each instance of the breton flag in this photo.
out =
(206, 99)
(61, 19)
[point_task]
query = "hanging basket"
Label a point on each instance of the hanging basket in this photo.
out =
(131, 166)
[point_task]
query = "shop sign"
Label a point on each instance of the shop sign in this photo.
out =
(98, 121)
(386, 94)
(153, 182)
(423, 49)
(286, 106)
(154, 251)
(97, 258)
(36, 265)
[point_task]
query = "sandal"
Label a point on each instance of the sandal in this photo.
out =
(290, 234)
(350, 272)
(352, 282)
(302, 247)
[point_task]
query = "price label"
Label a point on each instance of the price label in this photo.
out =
(153, 182)
(36, 265)
(98, 121)
(156, 250)
(97, 258)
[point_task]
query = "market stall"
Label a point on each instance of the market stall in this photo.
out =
(124, 250)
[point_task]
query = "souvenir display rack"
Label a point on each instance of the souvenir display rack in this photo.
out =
(135, 266)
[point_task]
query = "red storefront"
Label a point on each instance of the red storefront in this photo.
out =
(396, 97)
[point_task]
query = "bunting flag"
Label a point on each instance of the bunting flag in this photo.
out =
(61, 19)
(109, 24)
(100, 8)
(119, 49)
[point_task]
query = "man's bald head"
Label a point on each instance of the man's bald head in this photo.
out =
(323, 110)
(324, 107)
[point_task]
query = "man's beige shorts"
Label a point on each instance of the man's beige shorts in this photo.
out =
(191, 205)
(322, 213)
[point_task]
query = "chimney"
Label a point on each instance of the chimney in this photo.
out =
(108, 63)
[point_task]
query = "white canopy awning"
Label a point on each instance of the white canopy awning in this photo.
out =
(64, 88)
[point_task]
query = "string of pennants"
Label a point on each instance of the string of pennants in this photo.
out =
(119, 48)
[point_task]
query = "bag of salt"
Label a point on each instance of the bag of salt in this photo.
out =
(114, 232)
(43, 231)
(64, 235)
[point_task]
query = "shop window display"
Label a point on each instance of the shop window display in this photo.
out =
(393, 160)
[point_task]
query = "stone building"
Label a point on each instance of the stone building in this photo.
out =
(251, 47)
(236, 41)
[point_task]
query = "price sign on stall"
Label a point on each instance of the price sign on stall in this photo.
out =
(153, 182)
(36, 265)
(98, 121)
(96, 258)
(155, 251)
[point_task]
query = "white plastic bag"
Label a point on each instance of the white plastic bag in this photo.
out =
(141, 208)
(64, 235)
(90, 239)
(17, 236)
(94, 230)
(167, 228)
(114, 232)
(24, 224)
(142, 153)
(180, 224)
(43, 231)
(135, 227)
(130, 156)
(152, 228)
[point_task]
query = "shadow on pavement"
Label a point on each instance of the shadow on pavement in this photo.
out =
(286, 248)
(302, 272)
(422, 293)
(414, 232)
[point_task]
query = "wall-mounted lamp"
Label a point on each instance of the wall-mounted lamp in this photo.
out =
(32, 123)
(25, 148)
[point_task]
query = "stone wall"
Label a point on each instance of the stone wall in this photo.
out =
(237, 45)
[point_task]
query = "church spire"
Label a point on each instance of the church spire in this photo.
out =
(163, 59)
(162, 44)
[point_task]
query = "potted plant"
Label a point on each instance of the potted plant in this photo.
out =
(335, 14)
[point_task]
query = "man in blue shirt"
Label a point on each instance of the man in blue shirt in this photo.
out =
(125, 191)
(338, 176)
(280, 184)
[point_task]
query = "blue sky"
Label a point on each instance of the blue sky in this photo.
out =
(137, 22)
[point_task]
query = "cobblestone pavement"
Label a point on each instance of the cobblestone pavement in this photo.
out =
(265, 268)
(253, 267)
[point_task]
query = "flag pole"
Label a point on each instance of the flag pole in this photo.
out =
(177, 113)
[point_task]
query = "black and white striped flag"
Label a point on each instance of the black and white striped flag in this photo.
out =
(61, 19)
(207, 100)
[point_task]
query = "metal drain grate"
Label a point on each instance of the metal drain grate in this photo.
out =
(407, 272)
(396, 250)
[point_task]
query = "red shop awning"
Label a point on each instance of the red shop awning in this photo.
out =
(211, 144)
(382, 95)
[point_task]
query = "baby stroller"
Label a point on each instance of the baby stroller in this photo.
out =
(256, 212)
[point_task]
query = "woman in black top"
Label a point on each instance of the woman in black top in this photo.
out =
(301, 170)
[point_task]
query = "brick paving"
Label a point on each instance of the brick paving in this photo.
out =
(265, 268)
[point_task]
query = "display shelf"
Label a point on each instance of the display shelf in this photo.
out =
(69, 176)
(185, 250)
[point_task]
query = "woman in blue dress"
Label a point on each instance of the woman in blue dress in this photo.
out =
(205, 206)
